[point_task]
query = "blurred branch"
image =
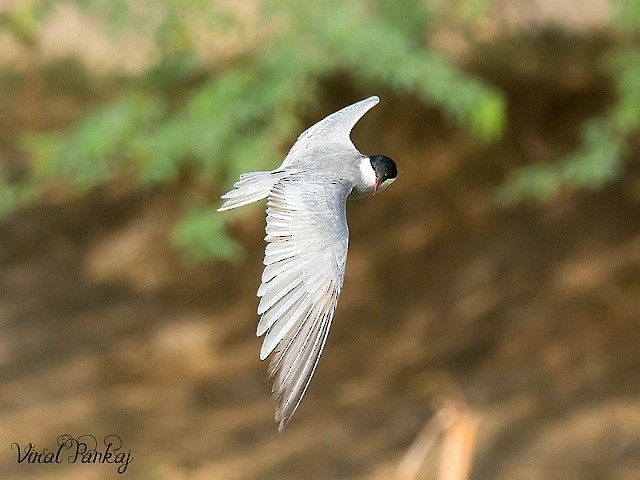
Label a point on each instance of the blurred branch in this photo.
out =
(458, 445)
(458, 426)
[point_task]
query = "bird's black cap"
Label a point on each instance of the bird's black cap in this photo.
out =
(384, 167)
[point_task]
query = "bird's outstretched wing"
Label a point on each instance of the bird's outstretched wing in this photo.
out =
(336, 128)
(305, 258)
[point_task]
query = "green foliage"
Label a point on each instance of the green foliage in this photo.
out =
(389, 52)
(599, 159)
(596, 163)
(96, 149)
(627, 13)
(214, 118)
(14, 195)
(203, 236)
(217, 118)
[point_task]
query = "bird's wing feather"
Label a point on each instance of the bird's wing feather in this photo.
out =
(305, 258)
(336, 128)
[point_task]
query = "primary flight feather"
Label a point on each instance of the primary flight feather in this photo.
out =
(307, 240)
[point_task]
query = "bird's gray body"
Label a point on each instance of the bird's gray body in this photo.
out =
(307, 237)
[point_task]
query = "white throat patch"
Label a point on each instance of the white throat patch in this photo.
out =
(367, 173)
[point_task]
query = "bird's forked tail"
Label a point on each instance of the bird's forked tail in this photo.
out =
(250, 188)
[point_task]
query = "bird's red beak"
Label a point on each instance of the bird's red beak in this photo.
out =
(377, 185)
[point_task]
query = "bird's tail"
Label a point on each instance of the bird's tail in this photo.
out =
(251, 187)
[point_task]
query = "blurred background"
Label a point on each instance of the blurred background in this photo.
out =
(501, 270)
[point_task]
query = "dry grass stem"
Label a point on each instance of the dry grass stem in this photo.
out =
(458, 425)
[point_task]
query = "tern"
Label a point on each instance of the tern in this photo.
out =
(307, 240)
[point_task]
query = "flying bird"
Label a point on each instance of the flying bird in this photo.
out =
(307, 240)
